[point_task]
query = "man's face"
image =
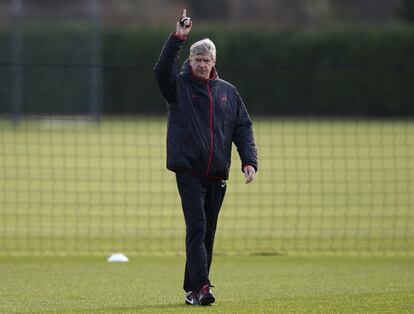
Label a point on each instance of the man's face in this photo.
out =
(202, 65)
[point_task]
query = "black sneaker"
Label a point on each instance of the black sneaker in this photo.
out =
(205, 296)
(191, 298)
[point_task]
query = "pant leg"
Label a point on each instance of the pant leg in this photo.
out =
(192, 190)
(214, 199)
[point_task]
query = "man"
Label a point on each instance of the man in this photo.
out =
(205, 115)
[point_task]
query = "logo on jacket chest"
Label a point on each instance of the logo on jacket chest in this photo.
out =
(223, 98)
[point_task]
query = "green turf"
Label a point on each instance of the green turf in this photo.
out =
(243, 285)
(72, 186)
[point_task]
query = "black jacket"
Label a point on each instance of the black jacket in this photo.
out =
(204, 118)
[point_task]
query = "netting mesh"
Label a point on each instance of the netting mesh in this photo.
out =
(73, 186)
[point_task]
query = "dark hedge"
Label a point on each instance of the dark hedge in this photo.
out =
(348, 72)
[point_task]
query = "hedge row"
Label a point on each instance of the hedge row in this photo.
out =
(348, 72)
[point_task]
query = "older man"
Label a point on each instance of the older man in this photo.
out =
(205, 115)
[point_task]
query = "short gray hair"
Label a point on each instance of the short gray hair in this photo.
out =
(203, 47)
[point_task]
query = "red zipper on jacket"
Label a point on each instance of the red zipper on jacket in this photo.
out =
(210, 158)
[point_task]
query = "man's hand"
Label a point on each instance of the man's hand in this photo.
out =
(183, 25)
(249, 173)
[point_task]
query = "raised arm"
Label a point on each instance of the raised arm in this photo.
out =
(166, 67)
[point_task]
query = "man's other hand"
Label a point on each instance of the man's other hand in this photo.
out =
(249, 173)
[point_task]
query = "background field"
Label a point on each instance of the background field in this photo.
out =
(327, 227)
(71, 186)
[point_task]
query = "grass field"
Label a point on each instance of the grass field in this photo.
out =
(70, 186)
(243, 285)
(328, 224)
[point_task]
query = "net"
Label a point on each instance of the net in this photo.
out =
(71, 186)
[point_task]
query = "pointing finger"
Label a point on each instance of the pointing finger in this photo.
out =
(184, 12)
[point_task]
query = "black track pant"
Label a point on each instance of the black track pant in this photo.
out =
(201, 199)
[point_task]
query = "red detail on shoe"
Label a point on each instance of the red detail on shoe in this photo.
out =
(205, 296)
(205, 289)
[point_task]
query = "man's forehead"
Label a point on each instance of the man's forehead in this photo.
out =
(201, 56)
